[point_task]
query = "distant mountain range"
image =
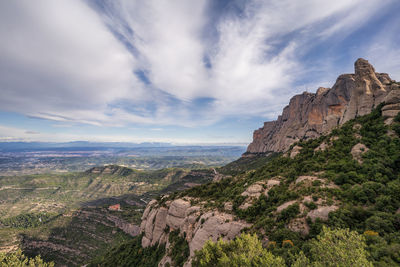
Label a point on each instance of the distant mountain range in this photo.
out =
(16, 146)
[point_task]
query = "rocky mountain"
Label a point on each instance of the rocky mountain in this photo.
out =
(309, 115)
(340, 177)
(347, 178)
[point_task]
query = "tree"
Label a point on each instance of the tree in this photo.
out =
(245, 250)
(336, 248)
(17, 259)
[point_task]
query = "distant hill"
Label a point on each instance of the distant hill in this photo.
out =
(18, 146)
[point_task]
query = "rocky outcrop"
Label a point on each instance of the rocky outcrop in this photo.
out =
(311, 114)
(321, 213)
(130, 229)
(392, 106)
(193, 221)
(254, 191)
(357, 151)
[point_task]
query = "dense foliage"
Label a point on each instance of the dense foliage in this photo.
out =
(366, 192)
(179, 249)
(332, 248)
(17, 259)
(336, 248)
(27, 220)
(245, 250)
(131, 254)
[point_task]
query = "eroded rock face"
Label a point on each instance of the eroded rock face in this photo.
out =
(215, 225)
(309, 115)
(392, 106)
(198, 225)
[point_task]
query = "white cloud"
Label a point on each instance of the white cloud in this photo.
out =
(57, 57)
(60, 60)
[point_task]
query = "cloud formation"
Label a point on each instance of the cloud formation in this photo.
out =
(117, 63)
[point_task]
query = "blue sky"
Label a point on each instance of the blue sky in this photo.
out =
(203, 71)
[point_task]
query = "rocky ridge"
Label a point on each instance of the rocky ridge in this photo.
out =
(194, 222)
(197, 223)
(309, 115)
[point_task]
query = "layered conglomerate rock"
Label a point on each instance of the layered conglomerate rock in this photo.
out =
(309, 115)
(195, 223)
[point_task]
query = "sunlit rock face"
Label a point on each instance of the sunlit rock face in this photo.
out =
(309, 115)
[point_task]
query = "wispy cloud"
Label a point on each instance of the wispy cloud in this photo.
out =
(118, 63)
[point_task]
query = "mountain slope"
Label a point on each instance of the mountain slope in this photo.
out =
(334, 184)
(346, 178)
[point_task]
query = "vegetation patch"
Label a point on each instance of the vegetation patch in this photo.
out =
(27, 220)
(131, 253)
(179, 250)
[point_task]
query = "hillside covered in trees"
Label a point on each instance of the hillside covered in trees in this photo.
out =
(326, 199)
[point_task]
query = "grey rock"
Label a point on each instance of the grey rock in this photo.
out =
(321, 212)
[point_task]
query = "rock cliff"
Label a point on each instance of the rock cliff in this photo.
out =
(194, 222)
(309, 115)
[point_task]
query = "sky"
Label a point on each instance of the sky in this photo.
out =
(179, 71)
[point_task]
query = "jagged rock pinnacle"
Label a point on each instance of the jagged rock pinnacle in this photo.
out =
(310, 115)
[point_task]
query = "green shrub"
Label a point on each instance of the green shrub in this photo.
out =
(18, 259)
(311, 205)
(336, 248)
(289, 213)
(131, 254)
(245, 250)
(179, 249)
(27, 220)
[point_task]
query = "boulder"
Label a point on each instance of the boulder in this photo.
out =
(358, 150)
(321, 212)
(228, 206)
(253, 190)
(295, 151)
(285, 205)
(299, 225)
(322, 147)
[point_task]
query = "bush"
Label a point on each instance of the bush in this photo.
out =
(27, 220)
(245, 250)
(311, 205)
(289, 213)
(18, 259)
(131, 254)
(334, 248)
(179, 250)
